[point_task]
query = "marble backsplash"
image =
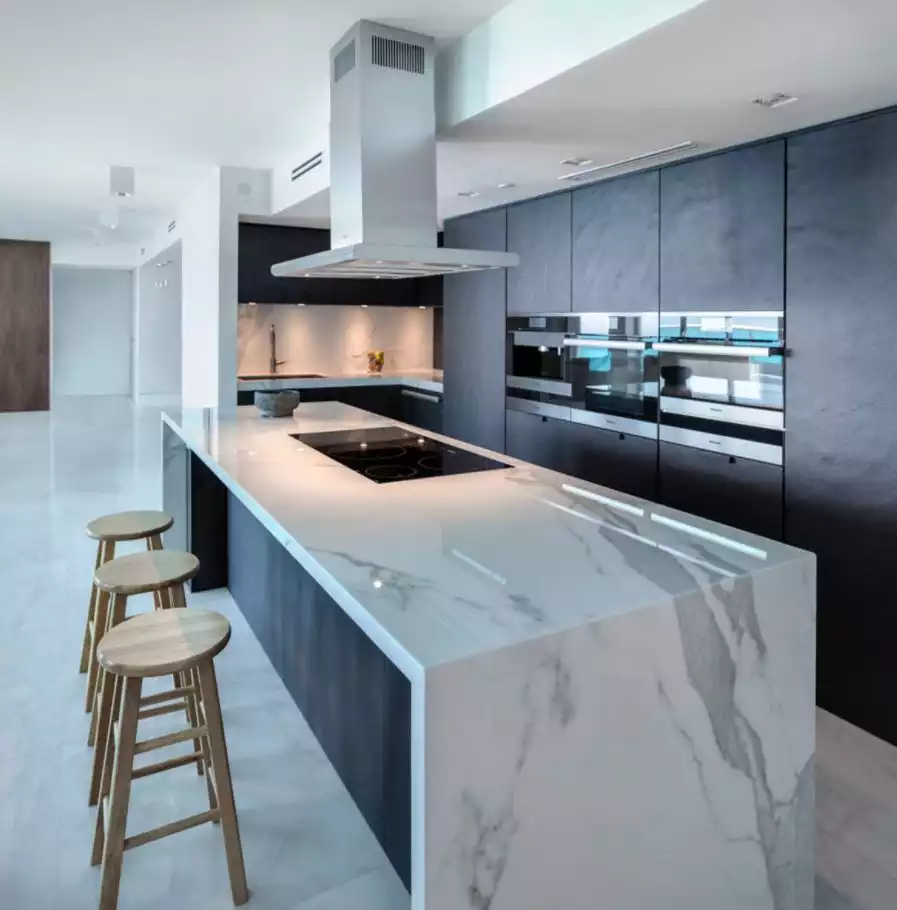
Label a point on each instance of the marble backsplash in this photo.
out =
(333, 339)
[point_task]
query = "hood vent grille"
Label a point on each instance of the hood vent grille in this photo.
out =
(397, 55)
(344, 61)
(308, 165)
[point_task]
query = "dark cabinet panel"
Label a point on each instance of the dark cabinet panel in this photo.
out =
(722, 231)
(616, 245)
(539, 231)
(473, 336)
(538, 440)
(737, 492)
(841, 452)
(619, 461)
(262, 245)
(420, 409)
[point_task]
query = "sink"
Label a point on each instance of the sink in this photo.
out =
(281, 376)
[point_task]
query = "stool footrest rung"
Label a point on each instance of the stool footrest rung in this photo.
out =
(160, 710)
(147, 837)
(169, 739)
(177, 762)
(168, 695)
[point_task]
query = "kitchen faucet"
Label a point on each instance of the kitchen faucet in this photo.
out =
(273, 362)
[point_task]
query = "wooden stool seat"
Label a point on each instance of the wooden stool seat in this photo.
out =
(141, 573)
(183, 642)
(155, 644)
(129, 525)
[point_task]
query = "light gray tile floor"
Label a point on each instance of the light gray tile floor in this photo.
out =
(305, 844)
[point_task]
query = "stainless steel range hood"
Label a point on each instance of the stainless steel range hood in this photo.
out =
(383, 214)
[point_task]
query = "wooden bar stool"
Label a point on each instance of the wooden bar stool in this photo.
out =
(150, 645)
(109, 530)
(162, 573)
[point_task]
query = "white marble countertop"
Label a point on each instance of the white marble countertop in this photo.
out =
(439, 569)
(426, 380)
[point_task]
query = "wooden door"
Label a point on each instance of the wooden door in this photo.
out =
(24, 326)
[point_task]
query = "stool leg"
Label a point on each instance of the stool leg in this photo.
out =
(221, 770)
(154, 542)
(174, 597)
(109, 708)
(111, 830)
(193, 678)
(101, 618)
(91, 611)
(100, 605)
(115, 614)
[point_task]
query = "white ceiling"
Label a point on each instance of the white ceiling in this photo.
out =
(692, 78)
(178, 86)
(171, 88)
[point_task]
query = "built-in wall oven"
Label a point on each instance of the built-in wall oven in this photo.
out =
(537, 379)
(613, 372)
(722, 382)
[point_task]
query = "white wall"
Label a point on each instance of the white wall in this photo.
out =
(334, 340)
(92, 325)
(157, 367)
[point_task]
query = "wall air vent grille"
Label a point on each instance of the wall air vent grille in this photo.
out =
(308, 165)
(344, 61)
(171, 226)
(397, 55)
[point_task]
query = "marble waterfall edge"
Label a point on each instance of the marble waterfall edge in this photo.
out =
(657, 760)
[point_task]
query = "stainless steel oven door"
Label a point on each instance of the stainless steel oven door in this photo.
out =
(613, 372)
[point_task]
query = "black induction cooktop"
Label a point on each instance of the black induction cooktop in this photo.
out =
(390, 454)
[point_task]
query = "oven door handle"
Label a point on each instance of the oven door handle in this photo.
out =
(609, 345)
(716, 350)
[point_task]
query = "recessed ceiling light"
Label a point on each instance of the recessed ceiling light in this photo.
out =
(421, 307)
(252, 303)
(634, 159)
(577, 162)
(469, 194)
(300, 304)
(776, 100)
(506, 186)
(364, 306)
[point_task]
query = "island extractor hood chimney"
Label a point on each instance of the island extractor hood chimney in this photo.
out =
(383, 214)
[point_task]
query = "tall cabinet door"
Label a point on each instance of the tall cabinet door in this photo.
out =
(722, 224)
(539, 232)
(473, 336)
(841, 452)
(616, 245)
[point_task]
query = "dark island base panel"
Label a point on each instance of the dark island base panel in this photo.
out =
(208, 527)
(356, 702)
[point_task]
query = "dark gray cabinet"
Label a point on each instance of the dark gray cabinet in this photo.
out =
(536, 439)
(539, 232)
(620, 461)
(263, 245)
(841, 452)
(420, 408)
(722, 231)
(473, 336)
(734, 491)
(616, 245)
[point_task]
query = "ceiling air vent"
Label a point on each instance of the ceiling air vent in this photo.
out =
(344, 61)
(171, 226)
(600, 169)
(776, 100)
(397, 55)
(308, 165)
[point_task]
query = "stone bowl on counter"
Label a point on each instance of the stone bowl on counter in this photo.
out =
(279, 403)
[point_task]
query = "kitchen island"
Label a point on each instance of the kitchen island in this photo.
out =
(539, 692)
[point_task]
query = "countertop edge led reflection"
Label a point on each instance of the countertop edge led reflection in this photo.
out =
(447, 568)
